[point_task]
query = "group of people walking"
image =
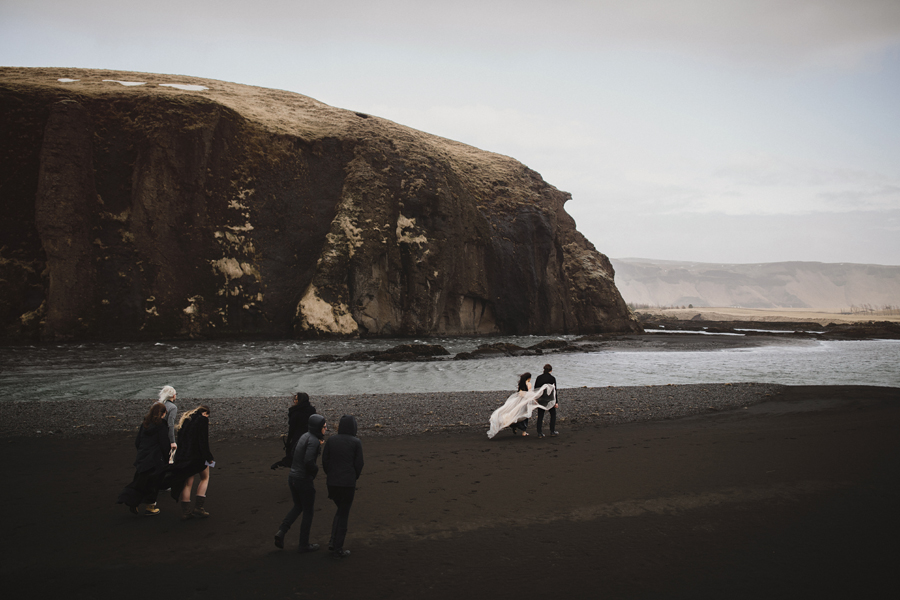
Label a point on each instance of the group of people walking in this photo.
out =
(342, 461)
(173, 452)
(171, 456)
(167, 462)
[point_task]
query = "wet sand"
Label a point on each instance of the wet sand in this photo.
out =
(796, 495)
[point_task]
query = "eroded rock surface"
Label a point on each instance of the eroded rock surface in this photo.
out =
(153, 211)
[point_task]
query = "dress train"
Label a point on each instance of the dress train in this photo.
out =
(518, 407)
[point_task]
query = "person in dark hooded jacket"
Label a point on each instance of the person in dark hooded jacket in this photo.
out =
(300, 481)
(298, 418)
(342, 459)
(298, 422)
(152, 444)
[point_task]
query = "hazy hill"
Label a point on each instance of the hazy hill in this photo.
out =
(767, 285)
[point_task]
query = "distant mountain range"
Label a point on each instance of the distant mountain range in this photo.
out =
(652, 283)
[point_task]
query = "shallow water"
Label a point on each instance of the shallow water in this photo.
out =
(277, 368)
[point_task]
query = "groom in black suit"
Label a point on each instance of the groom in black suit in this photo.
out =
(546, 400)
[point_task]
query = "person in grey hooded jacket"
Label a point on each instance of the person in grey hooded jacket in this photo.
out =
(167, 398)
(300, 482)
(342, 460)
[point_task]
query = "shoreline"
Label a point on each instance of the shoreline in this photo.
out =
(398, 414)
(820, 316)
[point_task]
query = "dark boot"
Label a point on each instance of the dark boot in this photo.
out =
(334, 525)
(338, 550)
(198, 509)
(186, 511)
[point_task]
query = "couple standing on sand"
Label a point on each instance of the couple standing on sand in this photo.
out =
(515, 411)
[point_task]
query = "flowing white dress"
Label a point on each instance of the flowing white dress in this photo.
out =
(518, 407)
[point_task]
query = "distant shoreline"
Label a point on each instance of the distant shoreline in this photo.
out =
(822, 316)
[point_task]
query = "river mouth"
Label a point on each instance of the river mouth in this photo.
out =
(279, 368)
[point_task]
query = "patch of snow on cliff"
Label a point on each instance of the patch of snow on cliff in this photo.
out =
(125, 83)
(65, 80)
(184, 86)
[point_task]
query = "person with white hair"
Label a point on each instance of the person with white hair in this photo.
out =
(167, 399)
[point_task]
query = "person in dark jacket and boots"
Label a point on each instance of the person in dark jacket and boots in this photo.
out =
(298, 422)
(193, 457)
(545, 400)
(152, 444)
(342, 460)
(300, 482)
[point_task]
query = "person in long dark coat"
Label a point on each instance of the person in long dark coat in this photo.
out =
(298, 422)
(152, 444)
(342, 460)
(193, 457)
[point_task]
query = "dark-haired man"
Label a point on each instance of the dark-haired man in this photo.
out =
(546, 400)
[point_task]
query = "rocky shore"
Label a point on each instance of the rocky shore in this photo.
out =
(386, 414)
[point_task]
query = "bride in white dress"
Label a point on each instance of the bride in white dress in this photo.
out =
(518, 407)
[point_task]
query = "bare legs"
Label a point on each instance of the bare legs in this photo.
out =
(201, 487)
(204, 481)
(200, 497)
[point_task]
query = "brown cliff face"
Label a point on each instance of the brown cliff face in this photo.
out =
(150, 211)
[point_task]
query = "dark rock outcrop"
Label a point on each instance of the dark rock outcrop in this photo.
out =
(863, 330)
(153, 211)
(401, 353)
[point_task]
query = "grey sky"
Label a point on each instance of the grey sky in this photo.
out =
(701, 130)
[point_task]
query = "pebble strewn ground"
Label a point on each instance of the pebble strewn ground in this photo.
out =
(386, 414)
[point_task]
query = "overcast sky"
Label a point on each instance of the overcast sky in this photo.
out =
(703, 130)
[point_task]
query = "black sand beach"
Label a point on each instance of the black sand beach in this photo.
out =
(794, 493)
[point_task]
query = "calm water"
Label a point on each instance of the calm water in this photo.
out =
(276, 368)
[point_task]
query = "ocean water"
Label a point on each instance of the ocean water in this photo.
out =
(279, 368)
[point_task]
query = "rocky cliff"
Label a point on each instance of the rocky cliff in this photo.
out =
(149, 206)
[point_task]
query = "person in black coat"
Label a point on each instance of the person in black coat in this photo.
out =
(152, 444)
(193, 457)
(342, 460)
(298, 418)
(298, 422)
(545, 400)
(300, 482)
